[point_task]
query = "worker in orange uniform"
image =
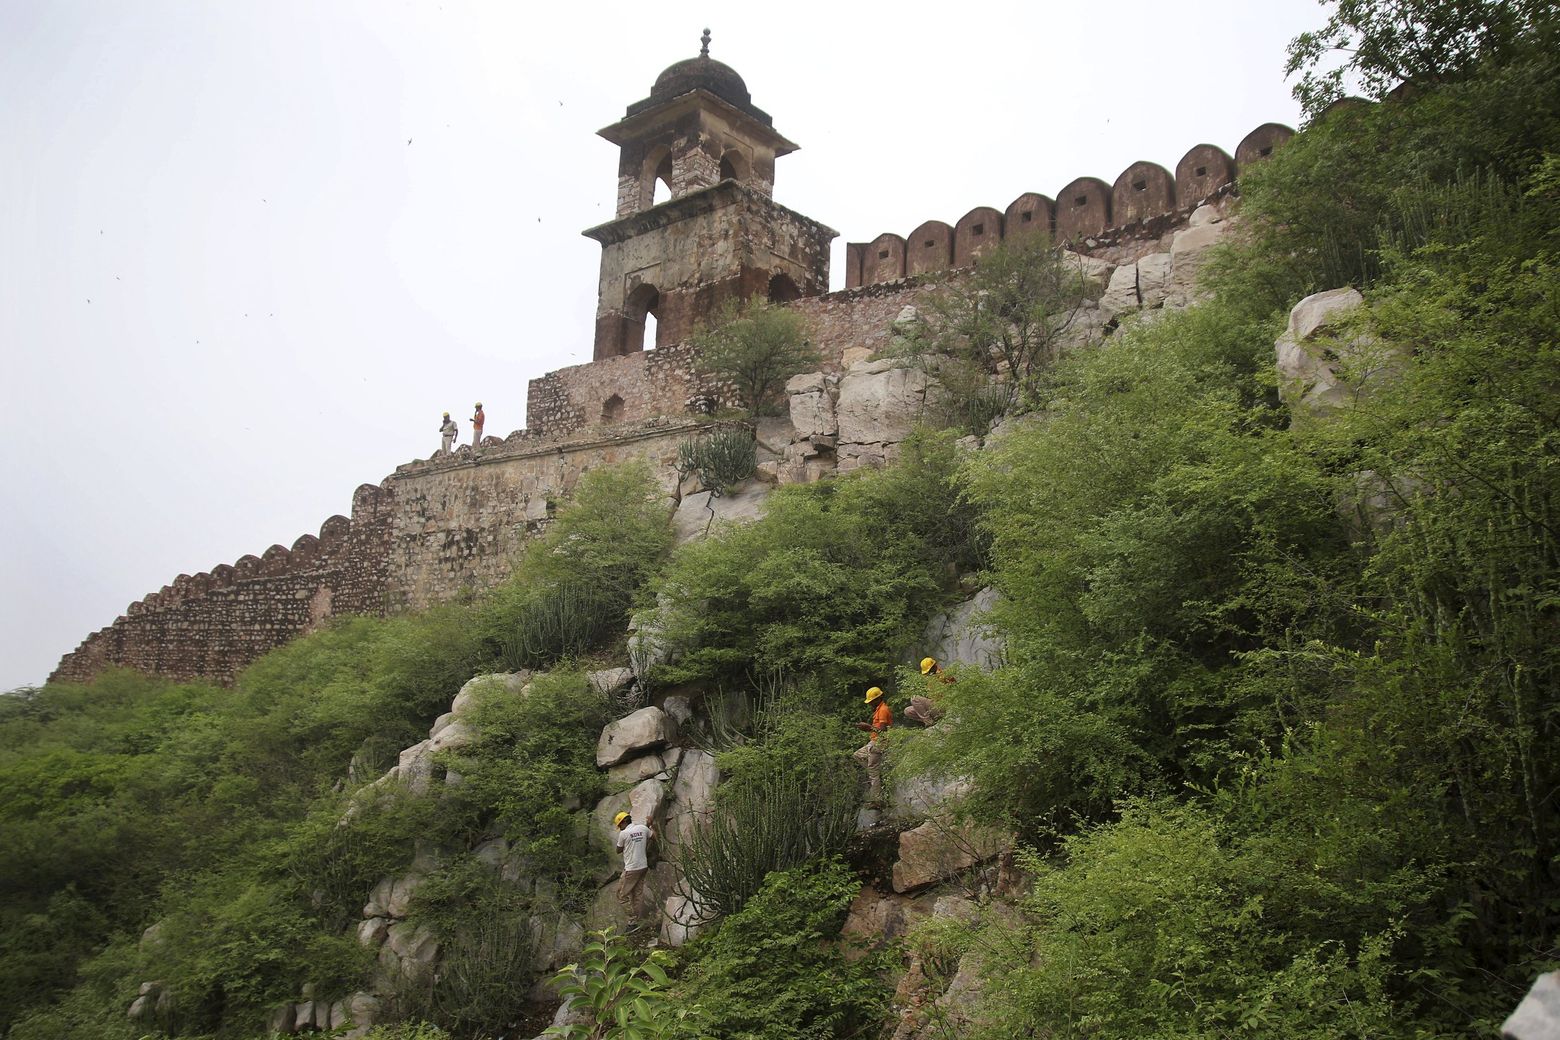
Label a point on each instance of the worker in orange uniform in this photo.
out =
(869, 753)
(476, 426)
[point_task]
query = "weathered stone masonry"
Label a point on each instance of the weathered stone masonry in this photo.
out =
(438, 528)
(210, 625)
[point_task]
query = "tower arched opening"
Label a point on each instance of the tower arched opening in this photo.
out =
(640, 312)
(783, 289)
(734, 166)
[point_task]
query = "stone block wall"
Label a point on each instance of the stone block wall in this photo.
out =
(682, 260)
(459, 520)
(431, 531)
(210, 625)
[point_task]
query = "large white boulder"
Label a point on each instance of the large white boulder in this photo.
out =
(961, 635)
(647, 729)
(1153, 279)
(880, 404)
(1189, 250)
(811, 406)
(693, 793)
(610, 682)
(409, 949)
(634, 770)
(681, 919)
(1121, 294)
(499, 684)
(701, 512)
(1093, 270)
(1538, 1016)
(1321, 371)
(647, 801)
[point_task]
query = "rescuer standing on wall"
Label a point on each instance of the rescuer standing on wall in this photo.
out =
(634, 840)
(448, 430)
(869, 753)
(476, 426)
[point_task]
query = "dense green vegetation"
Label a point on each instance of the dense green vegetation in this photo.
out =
(1277, 728)
(219, 814)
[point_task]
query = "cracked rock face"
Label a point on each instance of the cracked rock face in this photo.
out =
(647, 729)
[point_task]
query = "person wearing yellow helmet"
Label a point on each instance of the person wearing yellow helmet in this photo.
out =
(922, 708)
(477, 422)
(869, 754)
(633, 840)
(448, 430)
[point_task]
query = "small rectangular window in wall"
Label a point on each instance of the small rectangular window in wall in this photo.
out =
(978, 229)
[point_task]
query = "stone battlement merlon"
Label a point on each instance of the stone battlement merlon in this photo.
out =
(1085, 207)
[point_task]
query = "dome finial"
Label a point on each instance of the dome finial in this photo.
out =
(704, 49)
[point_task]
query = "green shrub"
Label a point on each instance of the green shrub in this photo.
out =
(788, 796)
(487, 950)
(621, 999)
(573, 587)
(832, 581)
(1147, 928)
(532, 768)
(777, 970)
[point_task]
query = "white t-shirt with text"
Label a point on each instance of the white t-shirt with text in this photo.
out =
(632, 840)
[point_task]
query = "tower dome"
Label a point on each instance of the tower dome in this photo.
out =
(704, 71)
(701, 73)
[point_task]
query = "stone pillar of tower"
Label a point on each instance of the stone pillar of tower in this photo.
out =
(720, 236)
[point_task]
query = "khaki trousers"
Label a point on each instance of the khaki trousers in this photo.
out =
(870, 755)
(630, 887)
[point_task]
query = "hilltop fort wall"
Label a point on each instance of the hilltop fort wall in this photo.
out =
(210, 625)
(438, 528)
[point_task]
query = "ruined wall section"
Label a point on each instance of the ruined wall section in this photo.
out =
(853, 324)
(626, 389)
(210, 625)
(460, 520)
(1143, 201)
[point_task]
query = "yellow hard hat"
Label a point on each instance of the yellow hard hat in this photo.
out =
(617, 821)
(872, 695)
(927, 664)
(479, 404)
(446, 415)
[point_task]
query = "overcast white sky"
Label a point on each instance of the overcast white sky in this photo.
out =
(250, 249)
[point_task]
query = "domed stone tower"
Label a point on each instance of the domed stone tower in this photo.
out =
(719, 236)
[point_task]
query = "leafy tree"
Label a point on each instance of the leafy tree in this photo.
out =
(572, 588)
(832, 581)
(993, 333)
(756, 347)
(1386, 42)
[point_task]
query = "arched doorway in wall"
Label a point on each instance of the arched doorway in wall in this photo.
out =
(640, 311)
(782, 289)
(612, 409)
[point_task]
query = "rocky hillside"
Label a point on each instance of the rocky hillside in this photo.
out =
(1244, 590)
